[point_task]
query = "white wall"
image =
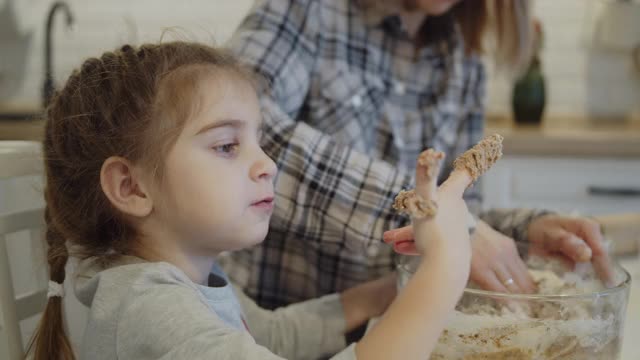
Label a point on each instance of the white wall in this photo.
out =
(580, 79)
(99, 26)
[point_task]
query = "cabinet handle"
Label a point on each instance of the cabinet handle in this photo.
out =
(613, 191)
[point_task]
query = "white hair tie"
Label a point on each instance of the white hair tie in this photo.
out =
(55, 289)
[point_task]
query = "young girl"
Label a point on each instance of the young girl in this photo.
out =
(153, 167)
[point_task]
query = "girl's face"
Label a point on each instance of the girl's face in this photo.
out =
(217, 191)
(432, 7)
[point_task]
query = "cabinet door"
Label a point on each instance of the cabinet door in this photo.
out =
(585, 186)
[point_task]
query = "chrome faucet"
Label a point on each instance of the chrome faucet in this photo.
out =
(47, 91)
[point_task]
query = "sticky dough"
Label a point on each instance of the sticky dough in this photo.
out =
(413, 204)
(479, 159)
(475, 161)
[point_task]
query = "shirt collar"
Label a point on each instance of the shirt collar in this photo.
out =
(378, 12)
(384, 14)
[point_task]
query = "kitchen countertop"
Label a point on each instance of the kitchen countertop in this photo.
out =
(569, 136)
(12, 129)
(556, 136)
(21, 122)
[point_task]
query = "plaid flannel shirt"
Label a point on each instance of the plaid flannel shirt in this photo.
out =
(351, 103)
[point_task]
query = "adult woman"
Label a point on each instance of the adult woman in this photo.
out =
(356, 90)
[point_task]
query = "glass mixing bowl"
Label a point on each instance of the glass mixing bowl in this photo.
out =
(573, 316)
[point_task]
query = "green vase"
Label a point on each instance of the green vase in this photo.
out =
(529, 95)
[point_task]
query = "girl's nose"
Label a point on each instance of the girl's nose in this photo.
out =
(264, 168)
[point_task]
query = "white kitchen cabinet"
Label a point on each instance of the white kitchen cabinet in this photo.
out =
(588, 186)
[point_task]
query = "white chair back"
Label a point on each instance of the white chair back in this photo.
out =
(18, 160)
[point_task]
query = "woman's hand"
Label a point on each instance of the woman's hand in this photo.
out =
(575, 239)
(496, 264)
(495, 259)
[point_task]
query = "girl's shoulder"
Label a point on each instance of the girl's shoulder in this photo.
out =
(138, 307)
(128, 277)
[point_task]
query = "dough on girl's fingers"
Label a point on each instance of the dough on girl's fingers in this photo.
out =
(414, 205)
(428, 167)
(420, 203)
(473, 162)
(479, 159)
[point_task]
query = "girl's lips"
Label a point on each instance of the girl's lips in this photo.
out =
(264, 204)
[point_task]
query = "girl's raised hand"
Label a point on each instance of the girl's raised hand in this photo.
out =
(440, 213)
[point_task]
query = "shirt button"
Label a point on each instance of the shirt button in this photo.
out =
(399, 142)
(399, 88)
(356, 101)
(373, 250)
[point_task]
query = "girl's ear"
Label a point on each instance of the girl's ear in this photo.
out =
(124, 188)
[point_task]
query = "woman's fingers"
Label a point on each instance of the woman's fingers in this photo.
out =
(507, 279)
(515, 278)
(488, 280)
(407, 247)
(493, 252)
(520, 274)
(578, 250)
(592, 234)
(604, 268)
(400, 234)
(559, 240)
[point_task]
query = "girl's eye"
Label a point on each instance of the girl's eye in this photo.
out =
(226, 149)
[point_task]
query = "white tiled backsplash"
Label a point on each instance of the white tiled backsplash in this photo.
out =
(580, 79)
(100, 26)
